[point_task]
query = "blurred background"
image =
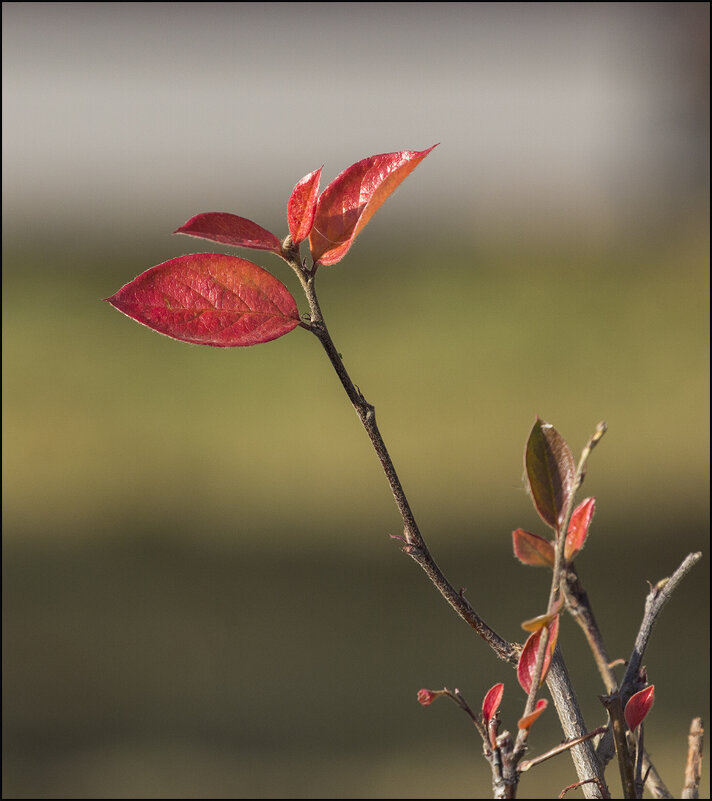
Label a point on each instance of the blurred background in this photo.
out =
(201, 598)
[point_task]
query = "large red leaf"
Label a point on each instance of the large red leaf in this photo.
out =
(550, 471)
(527, 659)
(210, 299)
(229, 229)
(638, 706)
(301, 207)
(491, 702)
(531, 549)
(578, 527)
(351, 199)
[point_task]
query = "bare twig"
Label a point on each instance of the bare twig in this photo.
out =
(693, 768)
(558, 681)
(459, 699)
(576, 785)
(656, 599)
(414, 543)
(584, 755)
(528, 764)
(653, 782)
(658, 596)
(580, 609)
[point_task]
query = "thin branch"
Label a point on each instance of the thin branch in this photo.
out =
(459, 699)
(414, 543)
(528, 764)
(614, 707)
(576, 785)
(415, 546)
(584, 755)
(693, 768)
(656, 599)
(580, 609)
(658, 596)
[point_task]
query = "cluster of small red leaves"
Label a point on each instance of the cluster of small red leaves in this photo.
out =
(551, 472)
(551, 476)
(225, 301)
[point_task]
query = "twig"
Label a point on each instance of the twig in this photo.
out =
(656, 599)
(414, 543)
(614, 707)
(528, 764)
(580, 609)
(584, 755)
(658, 596)
(558, 681)
(575, 785)
(459, 699)
(693, 768)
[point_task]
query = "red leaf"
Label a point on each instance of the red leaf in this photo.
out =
(527, 720)
(210, 299)
(578, 527)
(550, 471)
(491, 702)
(229, 229)
(531, 549)
(527, 659)
(301, 207)
(538, 622)
(638, 707)
(351, 199)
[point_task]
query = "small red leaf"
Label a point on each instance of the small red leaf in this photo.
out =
(301, 207)
(229, 229)
(210, 299)
(353, 197)
(491, 702)
(578, 527)
(550, 470)
(527, 659)
(531, 549)
(638, 707)
(538, 622)
(527, 720)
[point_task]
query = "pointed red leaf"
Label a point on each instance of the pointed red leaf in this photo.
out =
(210, 299)
(351, 199)
(527, 659)
(491, 702)
(527, 720)
(301, 207)
(578, 527)
(638, 707)
(229, 229)
(531, 549)
(550, 472)
(538, 622)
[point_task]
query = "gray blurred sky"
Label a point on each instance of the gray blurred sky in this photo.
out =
(548, 114)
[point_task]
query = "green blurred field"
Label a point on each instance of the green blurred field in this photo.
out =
(201, 597)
